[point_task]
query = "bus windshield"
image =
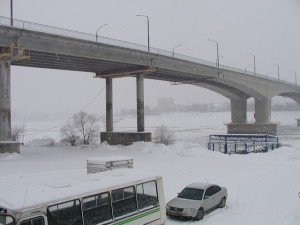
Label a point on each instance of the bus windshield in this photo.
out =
(6, 220)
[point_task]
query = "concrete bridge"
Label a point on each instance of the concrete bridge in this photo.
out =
(34, 45)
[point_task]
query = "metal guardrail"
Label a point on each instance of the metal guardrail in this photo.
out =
(21, 24)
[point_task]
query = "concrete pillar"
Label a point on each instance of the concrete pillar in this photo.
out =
(109, 105)
(262, 110)
(140, 102)
(5, 101)
(238, 110)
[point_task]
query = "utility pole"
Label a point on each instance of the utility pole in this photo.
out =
(11, 13)
(254, 63)
(148, 27)
(218, 59)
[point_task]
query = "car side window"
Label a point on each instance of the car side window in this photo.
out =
(217, 189)
(209, 191)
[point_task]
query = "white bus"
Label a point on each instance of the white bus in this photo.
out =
(121, 196)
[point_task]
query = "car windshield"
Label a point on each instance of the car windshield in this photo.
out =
(191, 193)
(6, 220)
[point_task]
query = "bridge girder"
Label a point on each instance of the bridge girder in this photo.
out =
(68, 53)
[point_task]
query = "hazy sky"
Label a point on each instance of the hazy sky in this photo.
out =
(270, 29)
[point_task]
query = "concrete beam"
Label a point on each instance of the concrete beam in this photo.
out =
(238, 111)
(125, 72)
(262, 110)
(140, 102)
(109, 105)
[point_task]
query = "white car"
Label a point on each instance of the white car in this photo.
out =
(197, 199)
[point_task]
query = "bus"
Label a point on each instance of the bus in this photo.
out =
(120, 196)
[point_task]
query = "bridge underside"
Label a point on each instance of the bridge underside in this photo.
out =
(109, 70)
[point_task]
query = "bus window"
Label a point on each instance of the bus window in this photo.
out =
(33, 221)
(65, 213)
(123, 201)
(147, 195)
(6, 220)
(96, 209)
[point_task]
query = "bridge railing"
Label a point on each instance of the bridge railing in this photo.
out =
(21, 24)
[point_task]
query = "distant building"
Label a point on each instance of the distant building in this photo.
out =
(215, 107)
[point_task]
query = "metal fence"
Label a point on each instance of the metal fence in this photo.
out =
(21, 24)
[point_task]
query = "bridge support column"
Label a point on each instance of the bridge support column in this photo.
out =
(140, 102)
(262, 123)
(5, 102)
(238, 110)
(109, 105)
(125, 138)
(6, 143)
(262, 110)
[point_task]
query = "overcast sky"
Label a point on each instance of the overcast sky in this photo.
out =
(270, 29)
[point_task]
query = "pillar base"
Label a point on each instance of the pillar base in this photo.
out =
(124, 138)
(252, 128)
(9, 147)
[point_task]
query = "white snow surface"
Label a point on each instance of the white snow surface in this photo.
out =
(262, 187)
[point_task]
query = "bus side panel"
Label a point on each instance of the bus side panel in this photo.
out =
(151, 217)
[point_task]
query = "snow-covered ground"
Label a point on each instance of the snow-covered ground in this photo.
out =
(262, 188)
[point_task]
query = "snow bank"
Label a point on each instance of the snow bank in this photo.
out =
(262, 187)
(9, 156)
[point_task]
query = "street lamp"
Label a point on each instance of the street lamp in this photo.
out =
(148, 30)
(277, 68)
(254, 62)
(175, 47)
(98, 30)
(11, 13)
(246, 68)
(218, 63)
(219, 59)
(295, 76)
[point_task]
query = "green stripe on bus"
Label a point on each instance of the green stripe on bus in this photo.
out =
(147, 213)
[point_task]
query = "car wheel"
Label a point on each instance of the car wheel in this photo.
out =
(222, 203)
(200, 214)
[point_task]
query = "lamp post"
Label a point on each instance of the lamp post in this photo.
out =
(148, 30)
(220, 58)
(254, 62)
(218, 63)
(11, 13)
(295, 76)
(98, 30)
(246, 68)
(174, 49)
(277, 69)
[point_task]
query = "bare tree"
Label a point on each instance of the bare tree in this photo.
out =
(69, 133)
(82, 124)
(164, 135)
